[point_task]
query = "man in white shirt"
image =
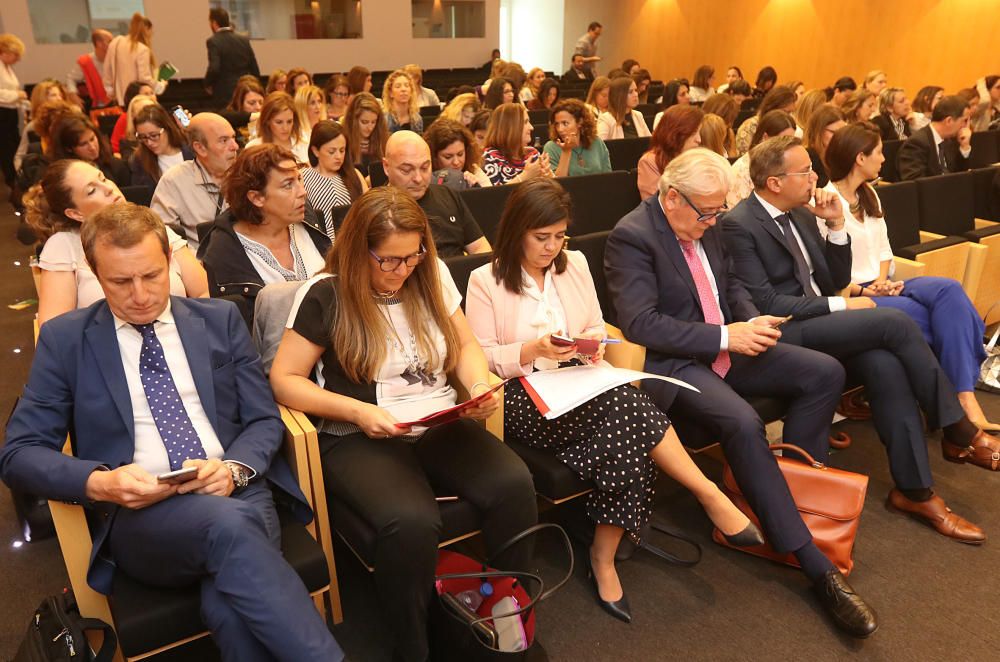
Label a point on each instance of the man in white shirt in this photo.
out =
(150, 384)
(190, 193)
(87, 73)
(586, 46)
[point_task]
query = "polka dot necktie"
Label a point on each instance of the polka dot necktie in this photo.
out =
(176, 430)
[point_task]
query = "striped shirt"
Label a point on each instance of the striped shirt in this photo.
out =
(325, 193)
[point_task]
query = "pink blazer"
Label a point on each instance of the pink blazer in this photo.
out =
(493, 313)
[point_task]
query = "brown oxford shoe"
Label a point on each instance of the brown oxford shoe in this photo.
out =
(983, 451)
(938, 516)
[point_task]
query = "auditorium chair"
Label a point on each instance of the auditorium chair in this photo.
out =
(376, 173)
(921, 253)
(626, 152)
(150, 620)
(429, 114)
(890, 169)
(600, 200)
(985, 149)
(486, 205)
(987, 192)
(140, 195)
(948, 207)
(539, 117)
(539, 134)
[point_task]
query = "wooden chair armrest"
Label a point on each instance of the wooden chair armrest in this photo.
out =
(906, 269)
(983, 223)
(495, 421)
(926, 236)
(625, 354)
(297, 455)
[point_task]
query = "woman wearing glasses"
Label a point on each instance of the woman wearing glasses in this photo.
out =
(379, 330)
(337, 93)
(161, 144)
(533, 289)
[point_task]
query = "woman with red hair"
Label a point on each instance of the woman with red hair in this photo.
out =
(677, 132)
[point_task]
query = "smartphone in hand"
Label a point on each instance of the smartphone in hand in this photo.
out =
(179, 476)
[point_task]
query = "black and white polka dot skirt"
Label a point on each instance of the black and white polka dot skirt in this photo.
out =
(606, 440)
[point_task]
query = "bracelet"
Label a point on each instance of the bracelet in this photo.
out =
(473, 387)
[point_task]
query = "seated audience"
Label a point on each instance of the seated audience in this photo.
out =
(946, 316)
(631, 66)
(774, 123)
(33, 165)
(573, 147)
(248, 96)
(841, 91)
(332, 180)
(678, 131)
(618, 73)
(534, 288)
(279, 124)
(923, 105)
(408, 166)
(297, 79)
(827, 120)
(728, 349)
(780, 98)
(513, 72)
(799, 88)
(935, 149)
(277, 82)
(531, 84)
(161, 145)
(366, 130)
(509, 157)
(727, 108)
(454, 148)
(479, 125)
(676, 93)
(876, 81)
(987, 112)
(597, 95)
(740, 91)
(425, 96)
(48, 91)
(860, 106)
(381, 330)
(548, 95)
(807, 105)
(359, 79)
(125, 126)
(500, 92)
(265, 236)
(337, 93)
(190, 193)
(70, 193)
(621, 119)
(402, 109)
(578, 71)
(643, 80)
(701, 84)
(310, 106)
(767, 78)
(894, 112)
(714, 133)
(121, 376)
(76, 137)
(733, 74)
(462, 108)
(789, 269)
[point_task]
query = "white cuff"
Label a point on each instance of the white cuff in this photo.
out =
(836, 304)
(838, 237)
(724, 341)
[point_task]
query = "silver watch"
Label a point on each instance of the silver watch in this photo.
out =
(240, 476)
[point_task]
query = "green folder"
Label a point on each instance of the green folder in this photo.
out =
(167, 71)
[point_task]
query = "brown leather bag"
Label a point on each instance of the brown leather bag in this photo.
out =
(829, 500)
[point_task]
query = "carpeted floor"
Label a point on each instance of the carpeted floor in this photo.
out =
(937, 600)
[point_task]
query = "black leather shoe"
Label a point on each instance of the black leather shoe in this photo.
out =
(748, 537)
(619, 608)
(848, 610)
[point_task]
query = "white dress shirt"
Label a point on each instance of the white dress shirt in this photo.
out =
(542, 310)
(965, 151)
(839, 237)
(869, 241)
(150, 453)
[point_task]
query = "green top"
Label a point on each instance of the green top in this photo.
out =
(588, 161)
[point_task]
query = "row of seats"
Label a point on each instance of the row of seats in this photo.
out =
(985, 152)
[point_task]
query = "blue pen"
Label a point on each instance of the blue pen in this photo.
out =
(612, 341)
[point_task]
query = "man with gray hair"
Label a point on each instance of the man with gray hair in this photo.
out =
(674, 291)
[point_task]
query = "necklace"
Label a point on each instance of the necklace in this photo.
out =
(415, 372)
(385, 296)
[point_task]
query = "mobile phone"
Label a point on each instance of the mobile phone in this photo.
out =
(181, 116)
(781, 321)
(179, 476)
(561, 341)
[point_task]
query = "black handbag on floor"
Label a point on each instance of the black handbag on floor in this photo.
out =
(57, 633)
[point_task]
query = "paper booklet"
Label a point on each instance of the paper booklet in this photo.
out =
(555, 392)
(451, 413)
(166, 71)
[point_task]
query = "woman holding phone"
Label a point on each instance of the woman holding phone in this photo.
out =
(533, 291)
(574, 148)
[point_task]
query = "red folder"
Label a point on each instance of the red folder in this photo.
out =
(452, 413)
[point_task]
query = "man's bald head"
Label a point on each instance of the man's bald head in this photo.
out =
(407, 163)
(214, 142)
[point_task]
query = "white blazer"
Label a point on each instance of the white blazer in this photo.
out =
(609, 129)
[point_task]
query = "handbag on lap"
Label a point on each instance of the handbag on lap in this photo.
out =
(829, 500)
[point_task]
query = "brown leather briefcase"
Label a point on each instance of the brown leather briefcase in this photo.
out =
(829, 500)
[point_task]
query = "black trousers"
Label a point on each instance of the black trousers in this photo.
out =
(885, 349)
(809, 381)
(391, 484)
(9, 139)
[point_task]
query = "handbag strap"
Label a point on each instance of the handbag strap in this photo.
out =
(667, 556)
(532, 530)
(800, 451)
(110, 643)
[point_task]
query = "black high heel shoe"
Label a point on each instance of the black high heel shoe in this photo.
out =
(619, 608)
(748, 537)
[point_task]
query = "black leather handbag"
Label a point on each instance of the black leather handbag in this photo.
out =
(57, 633)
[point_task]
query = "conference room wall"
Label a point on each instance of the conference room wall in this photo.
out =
(950, 43)
(181, 28)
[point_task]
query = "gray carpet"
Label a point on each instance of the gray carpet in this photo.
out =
(937, 599)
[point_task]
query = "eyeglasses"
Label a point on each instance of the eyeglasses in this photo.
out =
(149, 137)
(703, 217)
(805, 173)
(342, 94)
(392, 263)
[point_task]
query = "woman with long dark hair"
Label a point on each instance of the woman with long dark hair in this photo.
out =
(573, 146)
(76, 137)
(161, 142)
(332, 180)
(622, 120)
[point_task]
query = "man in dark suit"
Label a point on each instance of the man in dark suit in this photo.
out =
(230, 56)
(894, 111)
(789, 269)
(669, 277)
(940, 147)
(147, 384)
(578, 73)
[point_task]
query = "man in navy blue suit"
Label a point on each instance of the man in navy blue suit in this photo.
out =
(147, 383)
(674, 292)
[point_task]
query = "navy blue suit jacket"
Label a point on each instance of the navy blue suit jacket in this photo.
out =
(766, 267)
(655, 297)
(77, 386)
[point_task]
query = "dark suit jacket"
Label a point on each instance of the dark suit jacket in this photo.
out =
(77, 386)
(918, 156)
(574, 76)
(230, 56)
(654, 294)
(886, 128)
(763, 263)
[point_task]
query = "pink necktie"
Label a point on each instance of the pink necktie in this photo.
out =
(709, 306)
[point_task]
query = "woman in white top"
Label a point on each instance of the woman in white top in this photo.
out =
(947, 317)
(332, 181)
(11, 98)
(453, 147)
(701, 85)
(531, 84)
(70, 192)
(773, 124)
(162, 145)
(621, 119)
(279, 124)
(130, 58)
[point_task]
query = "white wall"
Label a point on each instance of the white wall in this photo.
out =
(181, 28)
(535, 29)
(579, 14)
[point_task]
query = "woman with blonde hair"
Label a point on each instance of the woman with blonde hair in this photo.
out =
(279, 124)
(402, 110)
(462, 108)
(531, 84)
(277, 81)
(310, 106)
(714, 134)
(381, 327)
(47, 91)
(807, 105)
(130, 58)
(726, 108)
(366, 130)
(876, 81)
(425, 96)
(11, 97)
(509, 157)
(597, 96)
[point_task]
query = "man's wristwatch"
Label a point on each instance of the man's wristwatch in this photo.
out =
(240, 475)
